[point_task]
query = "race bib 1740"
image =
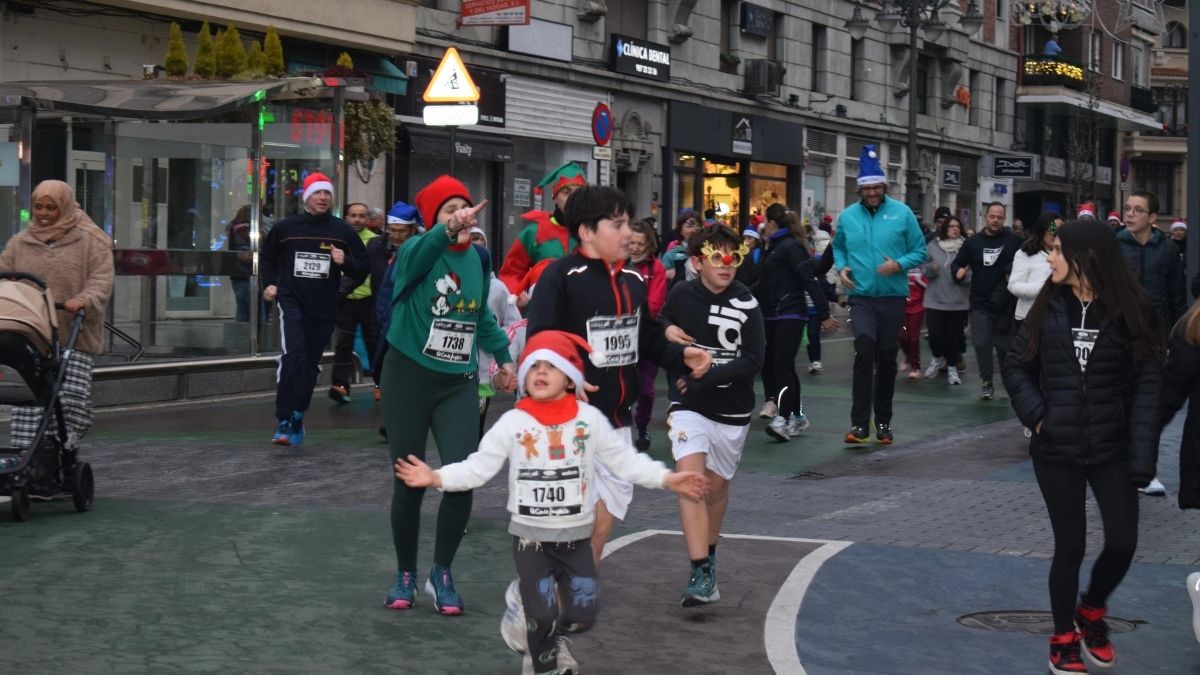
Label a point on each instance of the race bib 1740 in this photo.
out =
(614, 340)
(312, 265)
(549, 492)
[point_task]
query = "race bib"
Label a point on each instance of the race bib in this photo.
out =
(549, 492)
(614, 340)
(312, 265)
(1085, 341)
(991, 255)
(450, 341)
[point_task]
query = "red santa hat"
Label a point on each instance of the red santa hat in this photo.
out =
(558, 348)
(315, 182)
(431, 198)
(1085, 211)
(1113, 215)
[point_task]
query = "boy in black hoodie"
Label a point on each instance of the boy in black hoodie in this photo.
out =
(709, 417)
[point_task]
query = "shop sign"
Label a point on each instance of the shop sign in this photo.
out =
(640, 58)
(743, 136)
(1012, 166)
(951, 177)
(520, 196)
(494, 13)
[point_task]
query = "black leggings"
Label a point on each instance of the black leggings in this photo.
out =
(946, 339)
(779, 363)
(1064, 487)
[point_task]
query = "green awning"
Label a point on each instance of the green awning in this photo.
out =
(385, 76)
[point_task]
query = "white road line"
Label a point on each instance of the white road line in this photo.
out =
(779, 629)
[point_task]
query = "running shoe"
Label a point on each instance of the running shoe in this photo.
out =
(914, 374)
(932, 371)
(1089, 621)
(883, 433)
(987, 392)
(796, 424)
(404, 592)
(296, 434)
(643, 440)
(769, 410)
(1028, 432)
(815, 367)
(567, 665)
(440, 587)
(702, 587)
(858, 434)
(1064, 654)
(952, 375)
(1155, 488)
(778, 428)
(383, 432)
(377, 394)
(1193, 587)
(282, 431)
(340, 394)
(961, 364)
(512, 624)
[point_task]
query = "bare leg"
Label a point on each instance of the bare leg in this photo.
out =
(717, 500)
(601, 531)
(695, 516)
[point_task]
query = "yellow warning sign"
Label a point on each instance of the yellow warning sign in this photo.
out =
(451, 83)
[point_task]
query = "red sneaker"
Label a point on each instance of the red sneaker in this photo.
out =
(1090, 622)
(1064, 654)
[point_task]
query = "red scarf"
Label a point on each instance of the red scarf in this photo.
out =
(558, 411)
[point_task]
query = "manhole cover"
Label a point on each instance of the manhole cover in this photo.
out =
(1038, 623)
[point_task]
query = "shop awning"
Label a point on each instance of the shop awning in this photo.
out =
(385, 76)
(147, 99)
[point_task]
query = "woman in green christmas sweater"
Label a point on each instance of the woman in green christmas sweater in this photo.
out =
(439, 313)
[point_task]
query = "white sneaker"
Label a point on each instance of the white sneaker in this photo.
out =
(936, 365)
(796, 424)
(778, 429)
(1028, 432)
(951, 375)
(512, 624)
(1155, 488)
(1193, 584)
(567, 665)
(769, 410)
(815, 367)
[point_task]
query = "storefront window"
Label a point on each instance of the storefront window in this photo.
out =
(10, 175)
(722, 189)
(768, 185)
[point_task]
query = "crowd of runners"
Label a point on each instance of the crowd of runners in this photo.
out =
(1088, 322)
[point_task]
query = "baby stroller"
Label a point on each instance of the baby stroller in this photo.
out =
(32, 370)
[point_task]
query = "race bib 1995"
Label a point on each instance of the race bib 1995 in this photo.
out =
(614, 340)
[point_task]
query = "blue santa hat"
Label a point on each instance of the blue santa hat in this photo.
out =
(406, 214)
(869, 171)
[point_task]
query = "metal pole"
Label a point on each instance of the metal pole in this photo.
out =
(1192, 254)
(256, 228)
(912, 180)
(452, 152)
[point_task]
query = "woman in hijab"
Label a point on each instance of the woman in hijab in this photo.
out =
(74, 257)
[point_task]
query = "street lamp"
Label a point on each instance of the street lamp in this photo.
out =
(913, 15)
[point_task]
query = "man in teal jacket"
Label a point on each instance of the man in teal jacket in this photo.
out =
(877, 241)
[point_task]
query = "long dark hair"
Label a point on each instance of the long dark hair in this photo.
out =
(943, 231)
(1091, 251)
(1035, 236)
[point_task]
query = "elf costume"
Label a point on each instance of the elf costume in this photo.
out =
(544, 237)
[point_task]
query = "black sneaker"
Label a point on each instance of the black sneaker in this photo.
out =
(987, 393)
(883, 433)
(857, 434)
(643, 441)
(340, 394)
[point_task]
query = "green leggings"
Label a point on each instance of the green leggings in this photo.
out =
(415, 401)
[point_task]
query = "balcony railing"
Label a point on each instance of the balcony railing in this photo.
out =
(1142, 100)
(1052, 71)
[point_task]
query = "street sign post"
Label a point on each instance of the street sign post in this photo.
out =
(451, 97)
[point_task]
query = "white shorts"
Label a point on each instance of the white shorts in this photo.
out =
(616, 493)
(692, 432)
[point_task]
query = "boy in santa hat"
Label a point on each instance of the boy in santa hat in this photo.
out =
(551, 441)
(303, 260)
(545, 237)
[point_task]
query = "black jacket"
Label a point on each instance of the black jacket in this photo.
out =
(1108, 413)
(785, 274)
(990, 257)
(379, 258)
(303, 239)
(1180, 383)
(730, 327)
(575, 289)
(1159, 268)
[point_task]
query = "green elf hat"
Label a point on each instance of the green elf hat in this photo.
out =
(567, 174)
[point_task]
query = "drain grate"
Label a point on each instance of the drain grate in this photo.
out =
(1038, 623)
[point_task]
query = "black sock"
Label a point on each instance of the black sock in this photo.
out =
(700, 563)
(712, 550)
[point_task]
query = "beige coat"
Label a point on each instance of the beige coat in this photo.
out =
(79, 265)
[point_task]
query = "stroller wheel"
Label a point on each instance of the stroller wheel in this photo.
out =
(83, 487)
(20, 505)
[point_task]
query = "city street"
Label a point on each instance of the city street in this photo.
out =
(210, 550)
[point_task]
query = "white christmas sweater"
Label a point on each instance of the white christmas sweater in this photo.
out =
(550, 470)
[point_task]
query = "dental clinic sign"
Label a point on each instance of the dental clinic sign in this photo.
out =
(639, 58)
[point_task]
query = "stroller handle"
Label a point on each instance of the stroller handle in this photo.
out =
(24, 276)
(79, 315)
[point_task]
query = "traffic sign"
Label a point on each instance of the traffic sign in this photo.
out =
(602, 152)
(451, 82)
(453, 115)
(602, 125)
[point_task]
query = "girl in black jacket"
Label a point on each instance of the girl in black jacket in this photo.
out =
(1084, 374)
